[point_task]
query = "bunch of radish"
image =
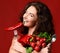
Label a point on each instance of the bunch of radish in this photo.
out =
(38, 43)
(34, 41)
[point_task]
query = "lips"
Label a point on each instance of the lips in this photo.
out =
(25, 21)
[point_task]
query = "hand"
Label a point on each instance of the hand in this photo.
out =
(16, 47)
(34, 51)
(46, 49)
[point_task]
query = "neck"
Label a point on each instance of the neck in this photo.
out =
(31, 30)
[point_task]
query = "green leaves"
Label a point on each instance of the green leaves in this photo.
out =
(45, 35)
(29, 49)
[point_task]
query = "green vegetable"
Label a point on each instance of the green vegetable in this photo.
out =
(29, 49)
(45, 35)
(31, 40)
(40, 35)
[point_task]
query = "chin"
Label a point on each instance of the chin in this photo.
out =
(27, 25)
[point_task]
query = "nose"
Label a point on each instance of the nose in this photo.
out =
(25, 16)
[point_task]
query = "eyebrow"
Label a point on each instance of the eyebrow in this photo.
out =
(32, 14)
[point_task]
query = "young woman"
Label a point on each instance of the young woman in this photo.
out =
(36, 18)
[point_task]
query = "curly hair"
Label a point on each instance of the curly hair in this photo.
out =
(45, 23)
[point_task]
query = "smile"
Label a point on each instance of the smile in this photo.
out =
(25, 21)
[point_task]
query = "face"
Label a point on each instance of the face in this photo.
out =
(30, 17)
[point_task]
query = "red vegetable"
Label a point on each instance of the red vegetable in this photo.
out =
(24, 39)
(32, 44)
(37, 48)
(38, 43)
(35, 42)
(42, 40)
(14, 27)
(43, 44)
(38, 38)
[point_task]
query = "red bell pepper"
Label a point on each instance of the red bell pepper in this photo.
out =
(14, 27)
(24, 40)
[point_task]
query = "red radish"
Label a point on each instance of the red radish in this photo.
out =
(38, 43)
(32, 44)
(37, 38)
(37, 48)
(41, 41)
(44, 39)
(43, 44)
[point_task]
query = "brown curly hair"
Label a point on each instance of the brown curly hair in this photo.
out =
(44, 19)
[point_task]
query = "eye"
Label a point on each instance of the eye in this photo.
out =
(31, 15)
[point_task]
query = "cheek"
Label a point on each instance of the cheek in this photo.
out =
(32, 23)
(32, 19)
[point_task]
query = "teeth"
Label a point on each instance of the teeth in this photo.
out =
(25, 21)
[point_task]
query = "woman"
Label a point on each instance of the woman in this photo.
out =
(36, 18)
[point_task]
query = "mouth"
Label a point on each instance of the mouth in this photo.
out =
(25, 21)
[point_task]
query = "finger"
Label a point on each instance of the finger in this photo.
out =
(48, 46)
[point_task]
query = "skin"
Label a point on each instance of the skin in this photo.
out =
(29, 20)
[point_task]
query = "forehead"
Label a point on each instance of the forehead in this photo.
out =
(32, 10)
